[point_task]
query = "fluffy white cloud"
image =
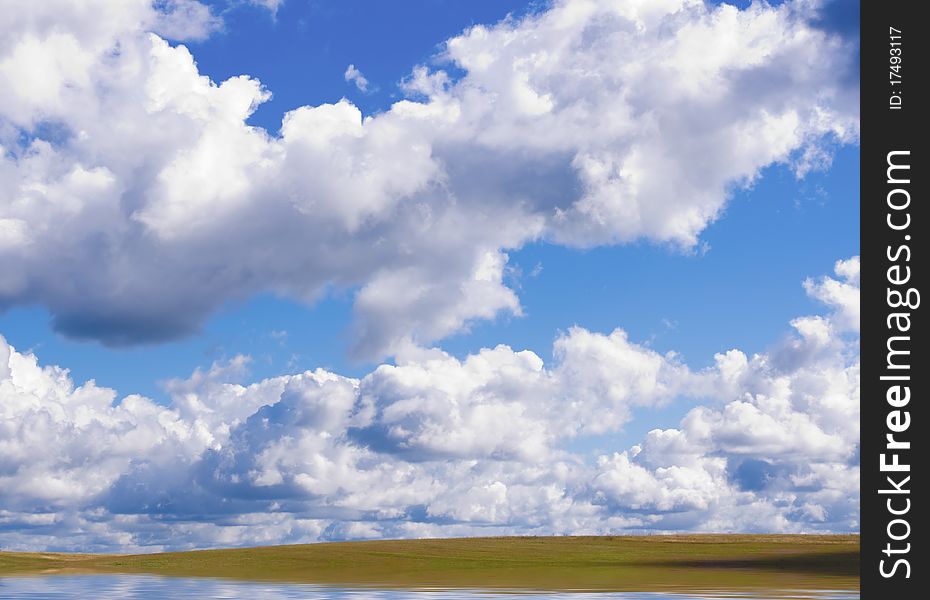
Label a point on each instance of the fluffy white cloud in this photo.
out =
(785, 434)
(184, 20)
(842, 295)
(272, 5)
(434, 445)
(62, 445)
(354, 76)
(657, 106)
(135, 199)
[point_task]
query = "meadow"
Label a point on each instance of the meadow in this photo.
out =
(621, 563)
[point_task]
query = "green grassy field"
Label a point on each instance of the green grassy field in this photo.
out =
(682, 562)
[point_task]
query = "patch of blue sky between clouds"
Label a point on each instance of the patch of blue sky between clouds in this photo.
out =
(302, 51)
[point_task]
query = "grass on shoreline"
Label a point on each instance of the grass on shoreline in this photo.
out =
(641, 563)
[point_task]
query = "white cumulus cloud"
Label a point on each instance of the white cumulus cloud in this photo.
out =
(353, 75)
(435, 445)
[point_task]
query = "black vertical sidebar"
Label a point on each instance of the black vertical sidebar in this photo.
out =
(895, 373)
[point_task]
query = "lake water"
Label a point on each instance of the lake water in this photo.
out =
(106, 587)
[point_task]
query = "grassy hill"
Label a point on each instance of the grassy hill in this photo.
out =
(692, 562)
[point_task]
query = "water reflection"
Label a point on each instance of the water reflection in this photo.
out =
(106, 587)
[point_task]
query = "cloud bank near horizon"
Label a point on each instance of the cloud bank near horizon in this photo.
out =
(135, 198)
(437, 446)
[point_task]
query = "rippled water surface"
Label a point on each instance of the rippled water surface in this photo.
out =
(105, 587)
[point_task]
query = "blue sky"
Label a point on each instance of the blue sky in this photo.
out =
(302, 51)
(193, 181)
